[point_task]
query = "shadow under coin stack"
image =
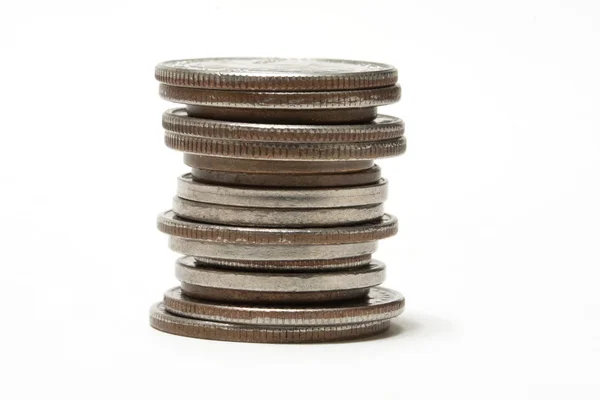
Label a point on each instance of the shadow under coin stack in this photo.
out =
(283, 207)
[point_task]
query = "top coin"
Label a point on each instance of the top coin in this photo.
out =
(276, 74)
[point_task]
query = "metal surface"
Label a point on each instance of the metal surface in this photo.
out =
(349, 196)
(282, 100)
(189, 271)
(384, 227)
(272, 166)
(179, 124)
(288, 265)
(257, 297)
(271, 252)
(379, 304)
(276, 74)
(357, 178)
(275, 217)
(164, 321)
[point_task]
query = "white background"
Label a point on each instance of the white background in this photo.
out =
(498, 199)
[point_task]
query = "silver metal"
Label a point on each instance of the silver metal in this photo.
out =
(189, 271)
(348, 196)
(273, 166)
(269, 252)
(289, 265)
(379, 304)
(275, 217)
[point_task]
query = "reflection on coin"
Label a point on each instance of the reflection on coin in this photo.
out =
(379, 304)
(276, 74)
(164, 321)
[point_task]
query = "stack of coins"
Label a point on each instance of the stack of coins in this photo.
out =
(283, 206)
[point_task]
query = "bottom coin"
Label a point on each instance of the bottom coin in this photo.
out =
(249, 296)
(164, 321)
(379, 304)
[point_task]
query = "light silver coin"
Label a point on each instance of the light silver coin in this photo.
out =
(348, 196)
(269, 252)
(275, 74)
(275, 217)
(187, 270)
(379, 304)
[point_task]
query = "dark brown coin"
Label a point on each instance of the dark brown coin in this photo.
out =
(379, 304)
(275, 74)
(279, 116)
(249, 296)
(164, 321)
(357, 178)
(282, 100)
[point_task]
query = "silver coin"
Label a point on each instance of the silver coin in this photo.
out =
(379, 304)
(273, 166)
(269, 252)
(178, 123)
(187, 270)
(336, 99)
(275, 217)
(382, 228)
(363, 177)
(289, 265)
(349, 196)
(163, 320)
(276, 74)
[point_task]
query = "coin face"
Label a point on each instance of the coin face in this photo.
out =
(275, 74)
(379, 304)
(163, 320)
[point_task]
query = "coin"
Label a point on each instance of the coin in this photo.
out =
(256, 297)
(288, 265)
(275, 217)
(379, 304)
(164, 321)
(178, 123)
(272, 166)
(189, 271)
(271, 252)
(276, 74)
(349, 196)
(357, 178)
(282, 116)
(287, 151)
(384, 227)
(282, 100)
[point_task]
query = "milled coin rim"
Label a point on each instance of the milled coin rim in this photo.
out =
(169, 223)
(181, 75)
(162, 320)
(189, 271)
(380, 303)
(269, 252)
(358, 98)
(176, 122)
(245, 196)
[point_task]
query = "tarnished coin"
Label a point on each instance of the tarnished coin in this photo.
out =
(262, 297)
(357, 178)
(178, 124)
(273, 252)
(275, 217)
(282, 116)
(189, 271)
(282, 100)
(275, 74)
(170, 224)
(273, 166)
(334, 197)
(164, 321)
(288, 265)
(379, 304)
(287, 151)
